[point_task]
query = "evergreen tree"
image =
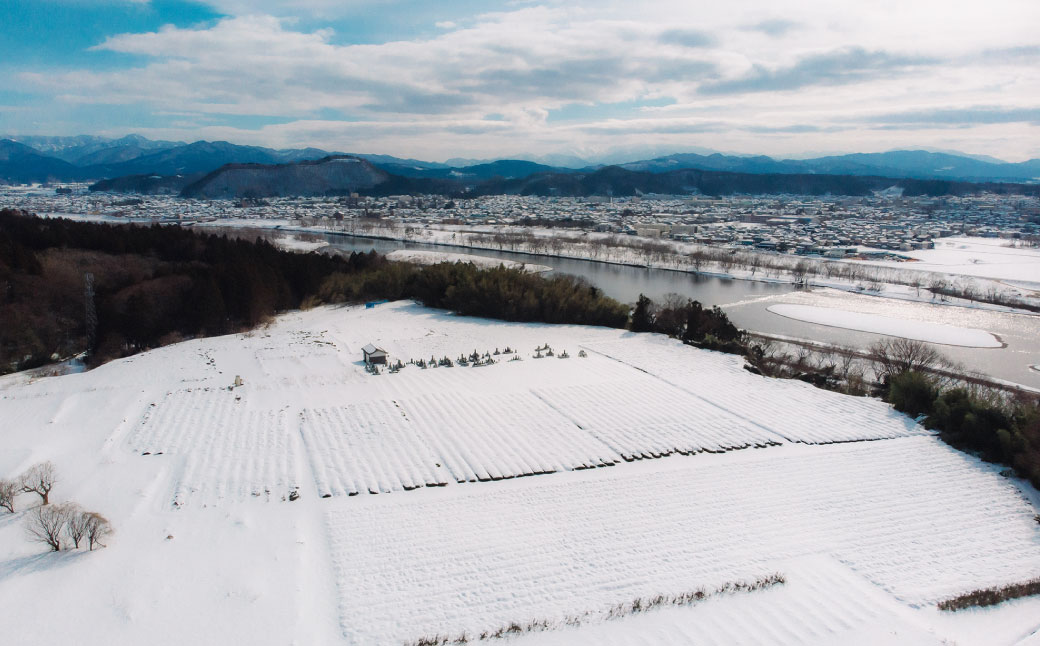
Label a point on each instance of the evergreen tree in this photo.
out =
(643, 316)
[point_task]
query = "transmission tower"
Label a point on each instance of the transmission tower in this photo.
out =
(88, 297)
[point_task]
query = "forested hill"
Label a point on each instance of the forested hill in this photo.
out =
(617, 181)
(341, 175)
(153, 285)
(334, 175)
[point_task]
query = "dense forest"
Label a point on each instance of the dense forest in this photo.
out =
(151, 285)
(156, 285)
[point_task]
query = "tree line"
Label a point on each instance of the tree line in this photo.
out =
(997, 429)
(689, 321)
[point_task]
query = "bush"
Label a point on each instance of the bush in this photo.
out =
(991, 596)
(912, 393)
(968, 421)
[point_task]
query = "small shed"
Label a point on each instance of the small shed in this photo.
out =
(374, 355)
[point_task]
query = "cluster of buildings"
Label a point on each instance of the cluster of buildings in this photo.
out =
(826, 226)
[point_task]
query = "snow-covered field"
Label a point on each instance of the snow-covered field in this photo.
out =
(294, 243)
(413, 517)
(980, 257)
(433, 257)
(942, 333)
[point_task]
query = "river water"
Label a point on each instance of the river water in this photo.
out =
(746, 303)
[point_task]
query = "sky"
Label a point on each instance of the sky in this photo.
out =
(493, 79)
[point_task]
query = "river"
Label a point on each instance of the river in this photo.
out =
(746, 303)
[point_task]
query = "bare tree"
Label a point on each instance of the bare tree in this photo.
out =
(97, 529)
(799, 271)
(891, 357)
(39, 479)
(46, 524)
(8, 490)
(76, 526)
(845, 361)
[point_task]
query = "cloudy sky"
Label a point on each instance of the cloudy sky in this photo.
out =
(434, 80)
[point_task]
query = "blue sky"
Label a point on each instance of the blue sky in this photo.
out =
(494, 79)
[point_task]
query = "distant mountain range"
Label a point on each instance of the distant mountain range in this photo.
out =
(343, 174)
(918, 164)
(39, 159)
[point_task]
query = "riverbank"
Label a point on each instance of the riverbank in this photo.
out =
(666, 255)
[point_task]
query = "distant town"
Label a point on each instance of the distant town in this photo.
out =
(834, 227)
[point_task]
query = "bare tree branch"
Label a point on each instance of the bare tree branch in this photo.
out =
(39, 479)
(8, 490)
(98, 528)
(46, 524)
(76, 527)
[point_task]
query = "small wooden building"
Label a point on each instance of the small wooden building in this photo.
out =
(374, 355)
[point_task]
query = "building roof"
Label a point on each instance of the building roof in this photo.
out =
(369, 349)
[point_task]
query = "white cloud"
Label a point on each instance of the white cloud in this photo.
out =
(769, 77)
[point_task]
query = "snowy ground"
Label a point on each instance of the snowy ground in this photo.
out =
(980, 257)
(434, 257)
(890, 326)
(413, 518)
(294, 243)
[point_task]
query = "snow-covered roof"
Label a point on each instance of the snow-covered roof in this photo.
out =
(369, 349)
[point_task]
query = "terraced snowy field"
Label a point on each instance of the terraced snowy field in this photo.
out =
(794, 411)
(492, 556)
(317, 503)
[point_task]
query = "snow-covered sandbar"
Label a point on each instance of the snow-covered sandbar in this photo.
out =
(435, 257)
(292, 243)
(887, 325)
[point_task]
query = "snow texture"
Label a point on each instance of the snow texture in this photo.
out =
(434, 257)
(235, 520)
(908, 329)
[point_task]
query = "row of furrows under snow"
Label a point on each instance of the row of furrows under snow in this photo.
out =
(792, 410)
(431, 439)
(910, 515)
(362, 434)
(230, 451)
